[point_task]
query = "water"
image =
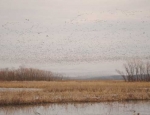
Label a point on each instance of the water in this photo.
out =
(104, 108)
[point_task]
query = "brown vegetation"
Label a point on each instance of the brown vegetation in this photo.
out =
(74, 91)
(136, 70)
(27, 74)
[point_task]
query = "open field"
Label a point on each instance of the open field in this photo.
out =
(73, 91)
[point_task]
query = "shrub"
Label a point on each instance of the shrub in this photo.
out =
(27, 74)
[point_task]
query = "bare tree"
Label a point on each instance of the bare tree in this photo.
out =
(136, 70)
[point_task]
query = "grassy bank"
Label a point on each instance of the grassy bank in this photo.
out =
(73, 91)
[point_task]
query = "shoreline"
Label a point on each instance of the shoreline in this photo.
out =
(74, 102)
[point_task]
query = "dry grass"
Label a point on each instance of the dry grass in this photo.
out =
(74, 91)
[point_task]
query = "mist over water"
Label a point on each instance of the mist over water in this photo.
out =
(76, 38)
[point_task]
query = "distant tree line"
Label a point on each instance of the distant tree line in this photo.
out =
(136, 70)
(27, 74)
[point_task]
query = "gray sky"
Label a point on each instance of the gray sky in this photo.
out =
(81, 37)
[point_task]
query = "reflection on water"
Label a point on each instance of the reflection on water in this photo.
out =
(105, 108)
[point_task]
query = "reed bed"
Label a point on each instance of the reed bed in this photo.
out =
(74, 91)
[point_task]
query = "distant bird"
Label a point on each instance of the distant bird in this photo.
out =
(27, 19)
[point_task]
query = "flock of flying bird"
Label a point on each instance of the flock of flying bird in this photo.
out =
(80, 38)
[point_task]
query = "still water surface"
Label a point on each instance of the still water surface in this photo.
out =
(104, 108)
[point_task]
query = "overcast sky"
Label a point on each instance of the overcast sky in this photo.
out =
(68, 36)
